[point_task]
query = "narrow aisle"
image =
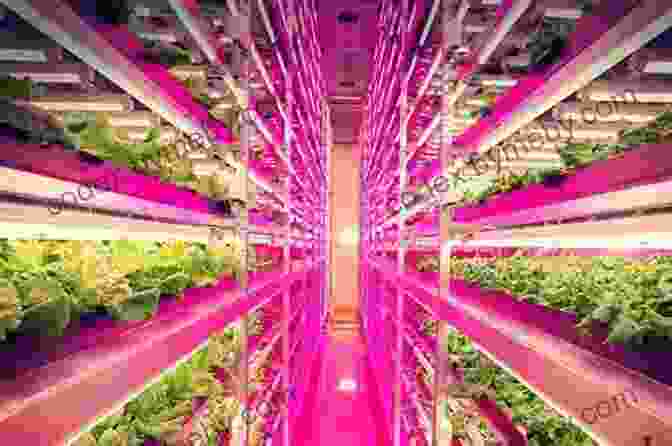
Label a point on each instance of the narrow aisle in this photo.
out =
(344, 416)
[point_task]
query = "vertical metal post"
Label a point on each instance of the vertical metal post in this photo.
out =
(442, 432)
(403, 154)
(247, 128)
(286, 302)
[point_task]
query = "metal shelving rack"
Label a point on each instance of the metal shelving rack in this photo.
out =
(430, 56)
(115, 360)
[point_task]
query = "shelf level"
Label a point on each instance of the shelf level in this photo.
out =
(122, 359)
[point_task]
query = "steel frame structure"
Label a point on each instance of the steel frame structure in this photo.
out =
(114, 360)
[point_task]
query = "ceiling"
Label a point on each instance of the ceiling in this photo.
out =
(348, 34)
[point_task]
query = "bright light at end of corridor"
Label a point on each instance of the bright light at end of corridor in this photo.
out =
(347, 385)
(349, 236)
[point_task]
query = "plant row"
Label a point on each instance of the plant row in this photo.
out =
(166, 413)
(47, 284)
(175, 162)
(576, 156)
(633, 297)
(157, 417)
(542, 424)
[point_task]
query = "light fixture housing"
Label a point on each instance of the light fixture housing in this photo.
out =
(347, 385)
(76, 102)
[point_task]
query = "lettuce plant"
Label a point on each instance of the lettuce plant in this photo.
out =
(544, 426)
(632, 297)
(44, 284)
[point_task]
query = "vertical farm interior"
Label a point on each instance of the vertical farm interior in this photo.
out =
(313, 222)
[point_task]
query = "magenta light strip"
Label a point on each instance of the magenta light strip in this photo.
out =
(552, 252)
(647, 167)
(596, 358)
(125, 41)
(57, 162)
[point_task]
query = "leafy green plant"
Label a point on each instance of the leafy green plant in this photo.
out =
(158, 412)
(15, 88)
(510, 182)
(44, 285)
(655, 132)
(47, 309)
(544, 426)
(198, 93)
(548, 42)
(165, 54)
(92, 134)
(577, 155)
(632, 297)
(95, 136)
(161, 410)
(33, 126)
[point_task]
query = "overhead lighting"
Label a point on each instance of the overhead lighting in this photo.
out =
(347, 385)
(349, 236)
(73, 73)
(205, 167)
(563, 13)
(74, 103)
(166, 36)
(133, 119)
(16, 55)
(636, 90)
(166, 134)
(597, 111)
(224, 105)
(496, 80)
(658, 67)
(189, 71)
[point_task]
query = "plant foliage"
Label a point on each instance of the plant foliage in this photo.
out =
(633, 298)
(44, 284)
(160, 412)
(544, 426)
(577, 155)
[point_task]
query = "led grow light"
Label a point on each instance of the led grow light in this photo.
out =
(496, 81)
(600, 111)
(133, 119)
(347, 385)
(623, 90)
(26, 184)
(349, 236)
(15, 55)
(222, 106)
(167, 36)
(651, 231)
(167, 134)
(563, 13)
(205, 167)
(189, 71)
(260, 239)
(74, 103)
(74, 73)
(658, 67)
